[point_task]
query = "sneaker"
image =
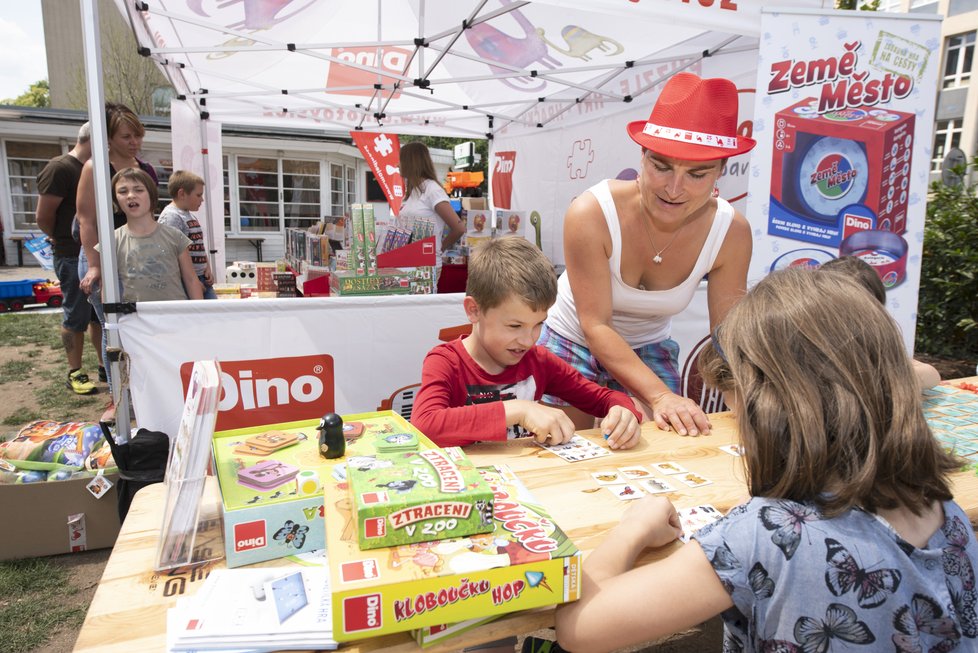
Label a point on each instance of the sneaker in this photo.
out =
(79, 383)
(102, 376)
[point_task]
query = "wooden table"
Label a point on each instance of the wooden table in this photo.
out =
(19, 240)
(128, 612)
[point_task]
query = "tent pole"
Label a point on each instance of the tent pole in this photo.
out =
(92, 52)
(208, 209)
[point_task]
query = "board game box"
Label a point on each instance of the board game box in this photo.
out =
(526, 562)
(952, 414)
(421, 496)
(271, 479)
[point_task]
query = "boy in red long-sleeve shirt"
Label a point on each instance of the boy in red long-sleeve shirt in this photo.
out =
(486, 386)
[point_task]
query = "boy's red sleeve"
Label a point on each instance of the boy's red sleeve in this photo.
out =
(570, 385)
(440, 412)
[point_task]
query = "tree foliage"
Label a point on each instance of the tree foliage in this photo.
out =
(947, 310)
(872, 5)
(37, 95)
(127, 76)
(446, 143)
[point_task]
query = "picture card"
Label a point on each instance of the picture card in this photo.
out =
(669, 468)
(577, 449)
(607, 477)
(626, 491)
(656, 486)
(733, 449)
(635, 472)
(693, 480)
(695, 518)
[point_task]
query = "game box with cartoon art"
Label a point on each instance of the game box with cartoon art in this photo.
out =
(422, 496)
(271, 480)
(526, 562)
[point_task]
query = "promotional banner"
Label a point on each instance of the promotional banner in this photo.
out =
(383, 153)
(844, 128)
(284, 359)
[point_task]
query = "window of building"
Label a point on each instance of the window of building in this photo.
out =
(946, 135)
(24, 162)
(958, 58)
(889, 5)
(162, 162)
(274, 193)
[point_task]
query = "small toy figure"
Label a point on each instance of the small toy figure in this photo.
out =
(332, 444)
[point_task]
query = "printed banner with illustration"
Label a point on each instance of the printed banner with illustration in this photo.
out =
(383, 154)
(844, 123)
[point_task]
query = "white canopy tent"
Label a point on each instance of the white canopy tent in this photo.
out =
(466, 68)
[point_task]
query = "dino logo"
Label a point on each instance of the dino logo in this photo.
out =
(362, 67)
(503, 164)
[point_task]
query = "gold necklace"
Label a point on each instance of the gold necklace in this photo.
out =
(657, 259)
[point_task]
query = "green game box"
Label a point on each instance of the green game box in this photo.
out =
(420, 496)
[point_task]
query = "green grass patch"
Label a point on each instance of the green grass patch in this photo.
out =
(16, 371)
(20, 417)
(38, 330)
(31, 594)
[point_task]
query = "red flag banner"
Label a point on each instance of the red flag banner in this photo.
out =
(383, 154)
(503, 164)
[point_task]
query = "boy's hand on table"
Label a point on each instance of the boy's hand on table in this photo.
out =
(548, 425)
(620, 428)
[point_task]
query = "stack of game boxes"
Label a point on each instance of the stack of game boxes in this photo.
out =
(432, 540)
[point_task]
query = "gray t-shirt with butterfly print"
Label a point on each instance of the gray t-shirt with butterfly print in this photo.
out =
(803, 583)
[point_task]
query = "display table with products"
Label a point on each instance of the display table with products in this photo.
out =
(128, 611)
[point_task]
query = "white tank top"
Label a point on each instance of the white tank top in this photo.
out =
(640, 317)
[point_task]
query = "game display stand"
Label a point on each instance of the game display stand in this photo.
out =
(186, 472)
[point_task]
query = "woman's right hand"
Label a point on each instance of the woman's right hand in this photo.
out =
(93, 276)
(673, 412)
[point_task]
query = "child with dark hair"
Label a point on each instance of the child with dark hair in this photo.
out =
(859, 270)
(851, 540)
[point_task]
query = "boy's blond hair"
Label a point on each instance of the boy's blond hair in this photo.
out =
(183, 180)
(510, 266)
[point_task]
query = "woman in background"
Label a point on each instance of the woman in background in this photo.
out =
(426, 200)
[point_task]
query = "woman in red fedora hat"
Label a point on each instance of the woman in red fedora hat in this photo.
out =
(636, 251)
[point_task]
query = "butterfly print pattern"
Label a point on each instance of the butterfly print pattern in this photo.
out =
(788, 519)
(961, 574)
(921, 618)
(848, 584)
(844, 575)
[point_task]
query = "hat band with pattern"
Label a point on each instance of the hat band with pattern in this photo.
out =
(688, 136)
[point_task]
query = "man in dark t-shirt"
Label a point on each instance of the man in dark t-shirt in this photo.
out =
(56, 186)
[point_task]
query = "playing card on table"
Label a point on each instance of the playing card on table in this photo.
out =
(577, 449)
(693, 480)
(625, 492)
(634, 473)
(733, 449)
(656, 486)
(695, 518)
(668, 468)
(607, 477)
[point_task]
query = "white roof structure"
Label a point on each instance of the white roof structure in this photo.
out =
(464, 68)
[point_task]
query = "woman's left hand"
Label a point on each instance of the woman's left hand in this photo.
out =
(673, 412)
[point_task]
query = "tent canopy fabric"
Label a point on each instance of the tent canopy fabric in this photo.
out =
(464, 68)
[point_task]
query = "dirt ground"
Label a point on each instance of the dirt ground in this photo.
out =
(86, 567)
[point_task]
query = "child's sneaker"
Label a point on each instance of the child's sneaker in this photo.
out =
(102, 376)
(540, 645)
(79, 383)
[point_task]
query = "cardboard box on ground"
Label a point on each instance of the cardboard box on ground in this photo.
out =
(41, 519)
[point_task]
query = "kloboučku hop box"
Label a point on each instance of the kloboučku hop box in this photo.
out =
(526, 562)
(419, 497)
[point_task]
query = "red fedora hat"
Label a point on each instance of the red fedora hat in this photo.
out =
(693, 119)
